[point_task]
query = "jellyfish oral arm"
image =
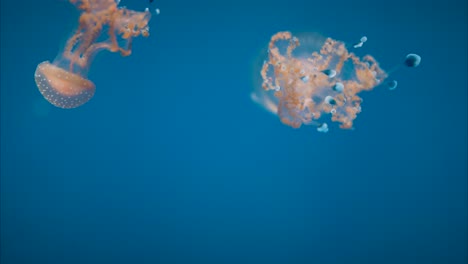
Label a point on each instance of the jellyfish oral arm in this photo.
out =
(123, 23)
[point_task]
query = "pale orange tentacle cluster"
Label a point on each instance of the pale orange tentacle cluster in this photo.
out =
(96, 16)
(302, 87)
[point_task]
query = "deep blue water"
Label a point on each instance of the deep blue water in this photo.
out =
(171, 162)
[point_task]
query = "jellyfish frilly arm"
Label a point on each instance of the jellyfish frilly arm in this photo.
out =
(90, 5)
(121, 23)
(275, 55)
(274, 58)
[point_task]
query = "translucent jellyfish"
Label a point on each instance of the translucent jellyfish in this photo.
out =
(360, 43)
(412, 60)
(329, 72)
(392, 84)
(323, 128)
(305, 78)
(330, 100)
(335, 77)
(338, 87)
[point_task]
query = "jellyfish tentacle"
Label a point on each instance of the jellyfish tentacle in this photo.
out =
(95, 28)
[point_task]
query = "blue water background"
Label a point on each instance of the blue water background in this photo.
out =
(171, 162)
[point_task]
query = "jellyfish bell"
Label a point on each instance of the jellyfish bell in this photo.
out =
(323, 128)
(412, 60)
(338, 87)
(392, 84)
(62, 88)
(360, 43)
(329, 72)
(330, 100)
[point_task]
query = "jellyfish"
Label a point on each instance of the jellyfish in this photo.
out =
(305, 78)
(412, 60)
(329, 72)
(323, 128)
(392, 84)
(330, 100)
(360, 43)
(335, 77)
(64, 82)
(338, 87)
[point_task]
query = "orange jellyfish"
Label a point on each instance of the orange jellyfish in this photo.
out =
(301, 86)
(64, 83)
